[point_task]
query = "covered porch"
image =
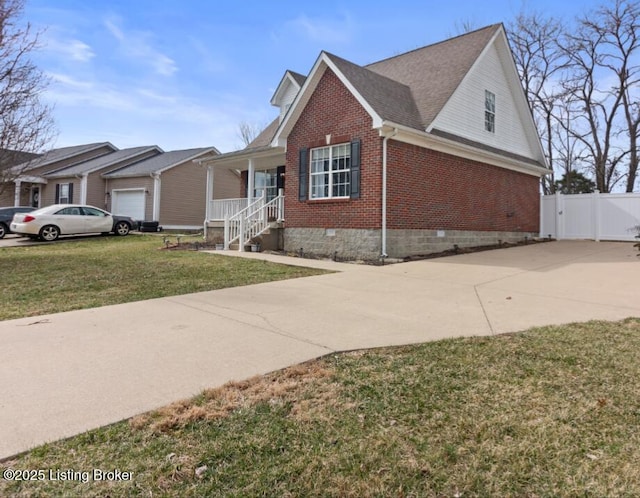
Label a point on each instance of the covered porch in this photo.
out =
(260, 206)
(27, 191)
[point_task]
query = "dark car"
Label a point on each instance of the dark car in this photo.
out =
(6, 215)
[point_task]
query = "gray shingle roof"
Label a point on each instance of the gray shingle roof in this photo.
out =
(300, 78)
(392, 100)
(265, 136)
(158, 163)
(102, 162)
(434, 72)
(61, 153)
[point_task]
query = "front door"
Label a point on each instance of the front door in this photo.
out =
(269, 181)
(35, 196)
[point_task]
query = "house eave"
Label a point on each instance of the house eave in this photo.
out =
(31, 179)
(233, 157)
(453, 147)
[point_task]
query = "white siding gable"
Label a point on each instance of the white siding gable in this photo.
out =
(464, 113)
(288, 95)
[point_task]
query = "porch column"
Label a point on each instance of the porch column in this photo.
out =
(83, 189)
(156, 197)
(251, 176)
(209, 194)
(16, 193)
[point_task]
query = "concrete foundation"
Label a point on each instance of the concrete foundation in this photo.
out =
(366, 244)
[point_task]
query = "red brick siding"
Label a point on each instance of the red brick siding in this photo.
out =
(333, 110)
(425, 189)
(434, 190)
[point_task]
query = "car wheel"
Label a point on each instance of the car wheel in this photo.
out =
(121, 228)
(49, 233)
(3, 230)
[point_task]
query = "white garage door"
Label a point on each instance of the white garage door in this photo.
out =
(129, 203)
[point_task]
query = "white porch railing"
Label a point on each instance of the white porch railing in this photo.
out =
(219, 209)
(252, 220)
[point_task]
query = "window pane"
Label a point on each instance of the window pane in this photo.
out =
(330, 171)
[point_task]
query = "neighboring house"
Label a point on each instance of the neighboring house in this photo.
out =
(168, 188)
(82, 183)
(145, 183)
(29, 182)
(408, 155)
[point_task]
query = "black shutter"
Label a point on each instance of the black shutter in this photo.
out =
(355, 169)
(57, 193)
(303, 174)
(71, 193)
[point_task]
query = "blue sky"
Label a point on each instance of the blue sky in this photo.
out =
(183, 74)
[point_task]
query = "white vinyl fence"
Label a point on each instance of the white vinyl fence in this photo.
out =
(590, 216)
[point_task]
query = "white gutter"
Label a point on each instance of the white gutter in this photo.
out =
(384, 192)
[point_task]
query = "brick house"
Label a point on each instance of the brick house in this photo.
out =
(408, 155)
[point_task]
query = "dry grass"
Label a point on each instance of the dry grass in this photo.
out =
(550, 412)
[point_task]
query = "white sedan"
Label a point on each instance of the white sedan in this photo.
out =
(50, 222)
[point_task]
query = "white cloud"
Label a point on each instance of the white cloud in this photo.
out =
(324, 30)
(72, 49)
(138, 45)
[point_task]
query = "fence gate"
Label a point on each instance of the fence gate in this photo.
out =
(590, 216)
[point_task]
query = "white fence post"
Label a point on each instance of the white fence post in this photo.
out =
(559, 216)
(595, 213)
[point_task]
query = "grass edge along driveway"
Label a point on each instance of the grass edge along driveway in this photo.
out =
(99, 271)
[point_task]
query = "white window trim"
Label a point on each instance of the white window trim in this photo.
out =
(64, 199)
(489, 110)
(330, 172)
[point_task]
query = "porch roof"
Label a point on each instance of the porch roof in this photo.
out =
(263, 157)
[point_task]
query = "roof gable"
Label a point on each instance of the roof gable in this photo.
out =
(409, 89)
(291, 81)
(63, 153)
(435, 71)
(102, 162)
(515, 130)
(159, 163)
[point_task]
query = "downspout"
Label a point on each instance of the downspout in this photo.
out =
(384, 254)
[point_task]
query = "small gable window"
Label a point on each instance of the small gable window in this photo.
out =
(330, 172)
(489, 111)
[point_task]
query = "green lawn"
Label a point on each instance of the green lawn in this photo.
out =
(97, 271)
(549, 412)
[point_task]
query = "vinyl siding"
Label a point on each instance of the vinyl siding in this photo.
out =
(463, 115)
(96, 191)
(287, 98)
(182, 196)
(48, 193)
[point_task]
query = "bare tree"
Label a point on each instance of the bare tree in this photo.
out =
(619, 26)
(539, 60)
(247, 132)
(599, 85)
(26, 124)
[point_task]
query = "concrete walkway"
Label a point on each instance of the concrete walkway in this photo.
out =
(65, 373)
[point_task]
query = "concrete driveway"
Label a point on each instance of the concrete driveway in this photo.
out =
(65, 373)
